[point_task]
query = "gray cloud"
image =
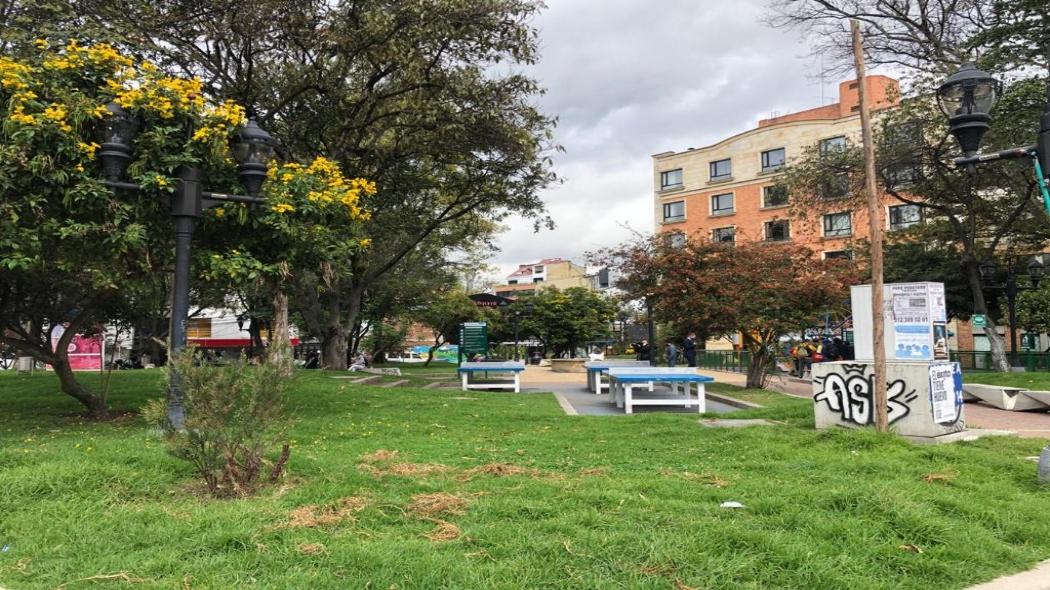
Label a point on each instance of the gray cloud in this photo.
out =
(628, 79)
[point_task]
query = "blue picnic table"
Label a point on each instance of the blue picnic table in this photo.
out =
(623, 380)
(595, 370)
(467, 371)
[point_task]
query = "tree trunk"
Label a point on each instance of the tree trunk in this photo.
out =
(96, 405)
(1000, 362)
(759, 364)
(280, 337)
(333, 348)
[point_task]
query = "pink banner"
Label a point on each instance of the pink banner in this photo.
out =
(85, 352)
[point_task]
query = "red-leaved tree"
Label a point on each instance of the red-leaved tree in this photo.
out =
(760, 290)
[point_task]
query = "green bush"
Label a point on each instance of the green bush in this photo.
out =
(235, 415)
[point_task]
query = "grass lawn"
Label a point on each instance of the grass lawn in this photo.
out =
(505, 491)
(1040, 381)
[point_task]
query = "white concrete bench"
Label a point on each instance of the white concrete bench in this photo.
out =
(469, 370)
(623, 380)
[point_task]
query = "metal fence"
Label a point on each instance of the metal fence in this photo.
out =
(975, 360)
(723, 360)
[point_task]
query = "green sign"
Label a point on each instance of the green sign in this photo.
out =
(473, 339)
(978, 320)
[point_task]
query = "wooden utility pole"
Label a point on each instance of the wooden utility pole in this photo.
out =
(875, 221)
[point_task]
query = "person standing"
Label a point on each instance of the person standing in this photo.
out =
(689, 347)
(672, 354)
(643, 350)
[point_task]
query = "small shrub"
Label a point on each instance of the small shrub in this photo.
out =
(235, 415)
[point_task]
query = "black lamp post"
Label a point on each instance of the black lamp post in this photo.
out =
(967, 98)
(652, 329)
(516, 317)
(252, 148)
(989, 270)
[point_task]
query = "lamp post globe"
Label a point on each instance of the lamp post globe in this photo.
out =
(966, 98)
(119, 130)
(1035, 272)
(252, 148)
(988, 270)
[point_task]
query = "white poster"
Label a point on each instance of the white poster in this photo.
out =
(910, 303)
(938, 308)
(945, 392)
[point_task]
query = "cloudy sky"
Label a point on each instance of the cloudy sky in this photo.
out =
(632, 78)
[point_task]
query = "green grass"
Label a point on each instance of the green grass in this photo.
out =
(825, 510)
(1040, 381)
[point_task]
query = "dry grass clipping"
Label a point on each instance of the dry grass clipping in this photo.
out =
(429, 505)
(595, 472)
(444, 531)
(311, 516)
(939, 476)
(413, 469)
(311, 548)
(380, 455)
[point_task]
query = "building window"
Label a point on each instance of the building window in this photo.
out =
(903, 216)
(832, 145)
(774, 196)
(837, 225)
(773, 160)
(839, 255)
(836, 187)
(671, 179)
(724, 235)
(722, 204)
(537, 280)
(512, 282)
(777, 231)
(721, 169)
(674, 211)
(677, 239)
(198, 328)
(537, 269)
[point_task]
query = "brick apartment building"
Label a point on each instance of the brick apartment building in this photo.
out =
(728, 191)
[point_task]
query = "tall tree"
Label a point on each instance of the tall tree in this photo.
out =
(761, 291)
(420, 96)
(73, 253)
(565, 320)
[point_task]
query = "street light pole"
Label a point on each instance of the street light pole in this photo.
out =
(652, 330)
(252, 148)
(1011, 310)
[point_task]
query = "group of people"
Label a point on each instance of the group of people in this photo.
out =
(817, 350)
(643, 351)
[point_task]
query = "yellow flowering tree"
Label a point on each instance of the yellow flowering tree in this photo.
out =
(73, 252)
(312, 223)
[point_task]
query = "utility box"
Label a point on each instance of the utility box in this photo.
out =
(924, 399)
(924, 390)
(915, 322)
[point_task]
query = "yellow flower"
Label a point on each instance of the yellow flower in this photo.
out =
(41, 44)
(287, 177)
(219, 212)
(24, 96)
(22, 118)
(55, 112)
(366, 243)
(162, 181)
(88, 148)
(79, 168)
(100, 111)
(283, 207)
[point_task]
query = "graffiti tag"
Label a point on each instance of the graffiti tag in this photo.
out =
(851, 395)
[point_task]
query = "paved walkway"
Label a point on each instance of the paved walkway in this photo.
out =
(1027, 424)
